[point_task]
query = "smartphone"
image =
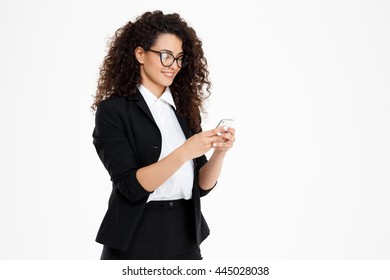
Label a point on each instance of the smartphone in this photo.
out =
(226, 122)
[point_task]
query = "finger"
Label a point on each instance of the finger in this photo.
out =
(214, 131)
(227, 135)
(215, 138)
(218, 144)
(231, 130)
(222, 145)
(230, 137)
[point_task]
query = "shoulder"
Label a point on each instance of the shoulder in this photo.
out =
(112, 101)
(111, 104)
(111, 109)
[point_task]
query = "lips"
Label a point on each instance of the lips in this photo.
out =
(168, 74)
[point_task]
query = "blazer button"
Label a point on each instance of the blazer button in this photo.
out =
(154, 147)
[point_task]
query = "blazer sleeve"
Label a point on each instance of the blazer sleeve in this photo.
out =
(115, 152)
(200, 162)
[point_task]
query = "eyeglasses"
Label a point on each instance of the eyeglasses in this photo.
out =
(167, 59)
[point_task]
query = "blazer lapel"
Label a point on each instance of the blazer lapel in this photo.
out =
(142, 104)
(144, 107)
(183, 123)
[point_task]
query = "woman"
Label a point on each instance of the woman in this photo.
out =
(148, 136)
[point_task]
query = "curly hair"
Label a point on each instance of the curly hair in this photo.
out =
(120, 71)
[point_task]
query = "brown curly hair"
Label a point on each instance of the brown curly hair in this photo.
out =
(120, 71)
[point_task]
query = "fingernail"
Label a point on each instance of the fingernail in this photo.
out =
(225, 128)
(214, 144)
(219, 133)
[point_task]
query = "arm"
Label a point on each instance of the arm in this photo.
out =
(115, 151)
(152, 176)
(209, 173)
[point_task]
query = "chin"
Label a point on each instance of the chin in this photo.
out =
(167, 83)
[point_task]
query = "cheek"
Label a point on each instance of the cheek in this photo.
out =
(152, 70)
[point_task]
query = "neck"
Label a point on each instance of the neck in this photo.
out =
(157, 91)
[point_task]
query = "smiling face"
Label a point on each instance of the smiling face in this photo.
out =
(155, 76)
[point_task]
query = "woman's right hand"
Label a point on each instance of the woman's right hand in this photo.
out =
(200, 143)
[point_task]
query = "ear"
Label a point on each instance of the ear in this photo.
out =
(139, 54)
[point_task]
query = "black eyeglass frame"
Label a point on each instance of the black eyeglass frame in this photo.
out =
(183, 62)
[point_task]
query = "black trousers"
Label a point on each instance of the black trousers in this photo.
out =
(166, 231)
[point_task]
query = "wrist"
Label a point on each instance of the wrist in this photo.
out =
(220, 153)
(180, 154)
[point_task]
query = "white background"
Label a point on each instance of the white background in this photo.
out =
(307, 83)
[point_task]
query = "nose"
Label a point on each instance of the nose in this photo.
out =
(175, 64)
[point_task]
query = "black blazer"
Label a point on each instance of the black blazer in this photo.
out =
(127, 138)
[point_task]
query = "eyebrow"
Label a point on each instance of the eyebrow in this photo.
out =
(165, 50)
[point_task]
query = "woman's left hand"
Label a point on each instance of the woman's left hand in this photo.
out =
(209, 173)
(228, 138)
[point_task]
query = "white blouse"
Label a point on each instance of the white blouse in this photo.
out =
(179, 185)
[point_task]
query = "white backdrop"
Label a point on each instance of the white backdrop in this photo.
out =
(307, 83)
